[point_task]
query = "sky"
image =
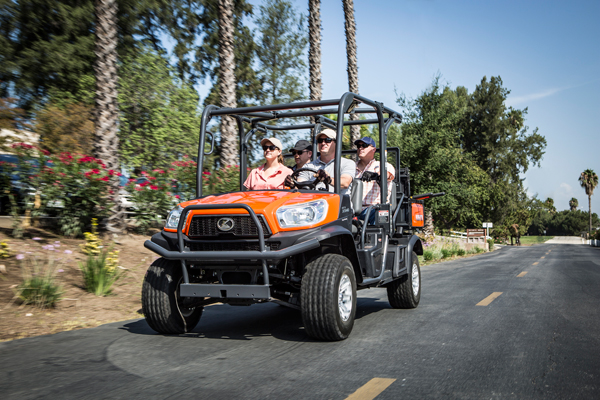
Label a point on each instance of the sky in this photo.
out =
(546, 52)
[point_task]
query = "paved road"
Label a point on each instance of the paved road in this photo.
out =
(566, 240)
(538, 337)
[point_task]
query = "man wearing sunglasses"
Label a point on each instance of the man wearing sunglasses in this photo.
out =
(324, 165)
(367, 170)
(302, 153)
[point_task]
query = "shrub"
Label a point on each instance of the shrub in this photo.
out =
(40, 287)
(478, 250)
(446, 253)
(491, 244)
(461, 252)
(101, 271)
(454, 249)
(428, 255)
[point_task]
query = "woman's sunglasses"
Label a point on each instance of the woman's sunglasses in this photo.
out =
(326, 140)
(362, 146)
(271, 147)
(294, 152)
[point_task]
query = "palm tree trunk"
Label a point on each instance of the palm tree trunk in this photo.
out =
(227, 82)
(350, 27)
(314, 51)
(106, 145)
(590, 208)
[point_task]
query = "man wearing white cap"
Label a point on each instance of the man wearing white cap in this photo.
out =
(272, 174)
(326, 142)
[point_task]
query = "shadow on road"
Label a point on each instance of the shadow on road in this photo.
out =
(261, 320)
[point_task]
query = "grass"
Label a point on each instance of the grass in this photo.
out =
(529, 240)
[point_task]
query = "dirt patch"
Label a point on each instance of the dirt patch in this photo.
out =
(78, 308)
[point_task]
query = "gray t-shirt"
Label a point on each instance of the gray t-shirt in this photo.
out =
(347, 167)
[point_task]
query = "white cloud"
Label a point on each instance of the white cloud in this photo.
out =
(566, 188)
(535, 96)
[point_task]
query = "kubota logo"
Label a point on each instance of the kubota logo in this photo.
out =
(225, 224)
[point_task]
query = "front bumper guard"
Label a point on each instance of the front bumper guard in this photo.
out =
(188, 289)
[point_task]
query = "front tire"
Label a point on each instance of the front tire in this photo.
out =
(328, 298)
(405, 292)
(165, 311)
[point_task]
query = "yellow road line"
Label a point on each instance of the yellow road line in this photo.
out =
(535, 263)
(522, 274)
(543, 256)
(371, 389)
(489, 299)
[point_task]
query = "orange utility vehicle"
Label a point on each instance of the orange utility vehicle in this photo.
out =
(301, 247)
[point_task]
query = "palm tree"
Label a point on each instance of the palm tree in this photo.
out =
(314, 51)
(106, 143)
(589, 180)
(350, 28)
(573, 204)
(227, 82)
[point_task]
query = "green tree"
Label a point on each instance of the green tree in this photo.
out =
(588, 181)
(430, 144)
(206, 58)
(49, 45)
(496, 135)
(498, 140)
(159, 119)
(573, 204)
(549, 204)
(281, 45)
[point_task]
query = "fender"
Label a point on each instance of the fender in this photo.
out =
(341, 237)
(412, 243)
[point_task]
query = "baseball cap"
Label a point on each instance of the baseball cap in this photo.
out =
(366, 140)
(302, 145)
(273, 140)
(330, 133)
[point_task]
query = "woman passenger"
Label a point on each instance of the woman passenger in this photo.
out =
(272, 173)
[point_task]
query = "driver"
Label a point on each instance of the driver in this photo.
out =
(324, 165)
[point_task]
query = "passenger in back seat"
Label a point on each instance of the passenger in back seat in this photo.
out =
(367, 170)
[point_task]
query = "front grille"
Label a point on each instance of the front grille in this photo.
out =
(231, 246)
(206, 225)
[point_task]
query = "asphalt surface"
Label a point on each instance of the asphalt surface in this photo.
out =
(538, 337)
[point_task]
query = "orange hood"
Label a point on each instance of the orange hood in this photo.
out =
(266, 203)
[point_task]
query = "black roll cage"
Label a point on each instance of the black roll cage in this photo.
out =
(257, 115)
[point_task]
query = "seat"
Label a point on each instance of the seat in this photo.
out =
(356, 196)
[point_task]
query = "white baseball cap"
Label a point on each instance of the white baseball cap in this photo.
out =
(273, 140)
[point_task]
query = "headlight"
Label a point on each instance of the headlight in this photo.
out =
(173, 218)
(302, 214)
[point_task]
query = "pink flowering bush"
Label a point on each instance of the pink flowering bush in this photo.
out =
(223, 180)
(153, 197)
(73, 187)
(157, 192)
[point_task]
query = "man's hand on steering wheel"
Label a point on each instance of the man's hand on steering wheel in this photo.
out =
(322, 176)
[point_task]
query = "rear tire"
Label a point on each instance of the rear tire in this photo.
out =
(328, 298)
(405, 292)
(165, 311)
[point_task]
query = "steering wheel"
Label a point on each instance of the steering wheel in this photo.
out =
(311, 185)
